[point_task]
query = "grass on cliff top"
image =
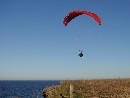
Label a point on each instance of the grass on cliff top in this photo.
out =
(103, 88)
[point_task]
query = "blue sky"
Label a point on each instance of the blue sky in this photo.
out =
(35, 45)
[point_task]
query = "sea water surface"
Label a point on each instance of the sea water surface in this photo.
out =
(24, 89)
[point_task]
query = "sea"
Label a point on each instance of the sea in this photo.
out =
(24, 88)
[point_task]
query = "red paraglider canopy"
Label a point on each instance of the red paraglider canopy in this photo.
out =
(76, 13)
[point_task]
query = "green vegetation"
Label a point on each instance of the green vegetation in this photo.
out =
(105, 88)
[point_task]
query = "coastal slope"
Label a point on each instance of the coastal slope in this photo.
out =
(98, 88)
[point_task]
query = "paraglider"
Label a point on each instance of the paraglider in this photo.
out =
(76, 13)
(81, 53)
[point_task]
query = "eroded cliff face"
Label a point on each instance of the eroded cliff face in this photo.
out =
(58, 91)
(105, 88)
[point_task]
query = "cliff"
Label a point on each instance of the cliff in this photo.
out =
(105, 88)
